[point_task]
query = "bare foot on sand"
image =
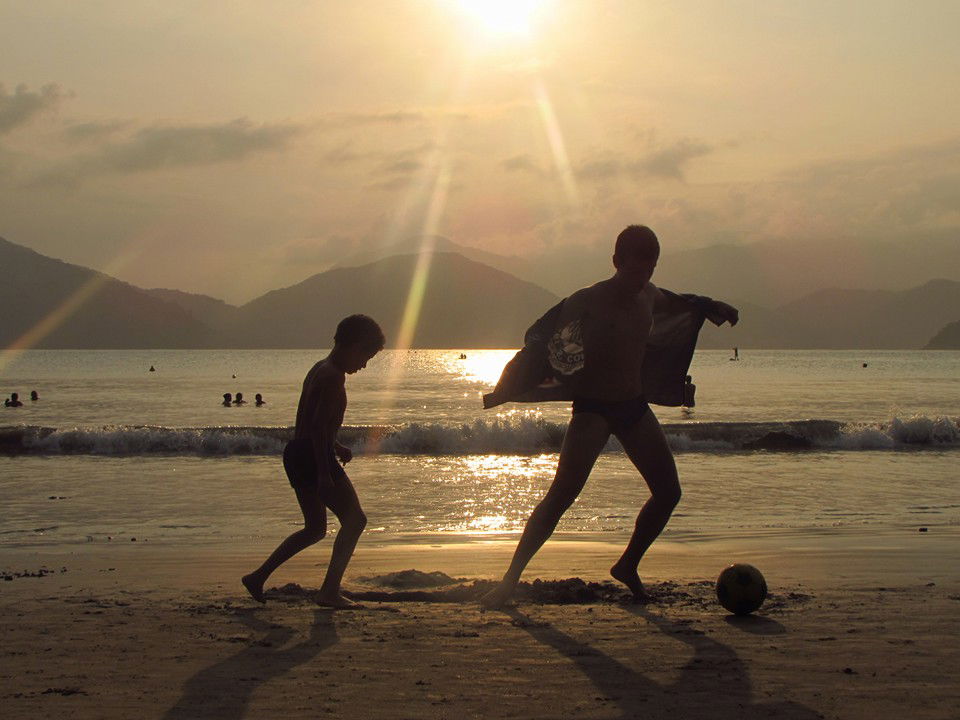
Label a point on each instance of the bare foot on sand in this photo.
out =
(339, 602)
(629, 577)
(254, 587)
(498, 597)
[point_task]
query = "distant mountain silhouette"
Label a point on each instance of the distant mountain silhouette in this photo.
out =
(464, 304)
(512, 264)
(837, 319)
(771, 273)
(68, 306)
(215, 314)
(947, 339)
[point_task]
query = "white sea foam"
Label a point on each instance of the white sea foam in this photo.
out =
(915, 431)
(514, 434)
(122, 440)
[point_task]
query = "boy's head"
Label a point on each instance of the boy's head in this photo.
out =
(357, 339)
(636, 253)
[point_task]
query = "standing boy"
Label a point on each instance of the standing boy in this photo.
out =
(312, 461)
(598, 340)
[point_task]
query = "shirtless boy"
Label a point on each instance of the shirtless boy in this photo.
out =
(615, 317)
(312, 461)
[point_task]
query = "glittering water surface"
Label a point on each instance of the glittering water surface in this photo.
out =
(88, 499)
(480, 489)
(99, 387)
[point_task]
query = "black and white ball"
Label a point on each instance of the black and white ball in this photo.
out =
(741, 588)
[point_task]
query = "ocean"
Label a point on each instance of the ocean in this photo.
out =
(780, 442)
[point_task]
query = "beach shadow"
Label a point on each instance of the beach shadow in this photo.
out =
(223, 690)
(713, 683)
(755, 624)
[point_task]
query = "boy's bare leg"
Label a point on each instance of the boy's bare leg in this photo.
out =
(345, 505)
(314, 529)
(647, 448)
(585, 438)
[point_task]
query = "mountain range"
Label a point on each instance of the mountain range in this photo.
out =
(461, 302)
(775, 272)
(947, 339)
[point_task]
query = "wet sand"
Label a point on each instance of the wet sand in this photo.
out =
(853, 628)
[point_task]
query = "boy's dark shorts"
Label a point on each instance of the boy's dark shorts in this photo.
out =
(300, 464)
(620, 414)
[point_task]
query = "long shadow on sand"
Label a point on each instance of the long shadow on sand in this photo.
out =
(223, 689)
(713, 683)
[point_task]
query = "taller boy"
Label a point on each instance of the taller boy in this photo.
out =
(312, 461)
(598, 349)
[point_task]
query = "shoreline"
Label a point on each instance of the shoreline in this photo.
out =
(819, 557)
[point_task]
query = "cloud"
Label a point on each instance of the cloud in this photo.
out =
(389, 118)
(21, 106)
(670, 162)
(344, 155)
(163, 147)
(94, 131)
(599, 169)
(341, 121)
(403, 167)
(399, 169)
(910, 188)
(395, 183)
(521, 163)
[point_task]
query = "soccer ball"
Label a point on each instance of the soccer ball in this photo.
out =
(741, 588)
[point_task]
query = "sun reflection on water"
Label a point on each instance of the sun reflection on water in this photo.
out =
(479, 366)
(497, 493)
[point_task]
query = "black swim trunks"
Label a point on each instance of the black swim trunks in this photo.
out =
(301, 465)
(620, 414)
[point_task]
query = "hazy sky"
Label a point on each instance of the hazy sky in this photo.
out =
(230, 148)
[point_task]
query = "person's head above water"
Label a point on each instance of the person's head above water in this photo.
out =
(34, 395)
(227, 398)
(357, 339)
(635, 255)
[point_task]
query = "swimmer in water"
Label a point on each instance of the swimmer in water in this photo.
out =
(258, 398)
(238, 399)
(227, 400)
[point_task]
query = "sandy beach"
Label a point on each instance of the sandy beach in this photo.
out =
(854, 627)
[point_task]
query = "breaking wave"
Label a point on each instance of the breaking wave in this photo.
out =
(524, 435)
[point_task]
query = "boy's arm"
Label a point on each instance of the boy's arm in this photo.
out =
(344, 453)
(715, 311)
(319, 434)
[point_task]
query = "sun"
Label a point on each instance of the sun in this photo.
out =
(502, 17)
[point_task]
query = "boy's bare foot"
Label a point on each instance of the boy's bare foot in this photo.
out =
(254, 587)
(498, 597)
(338, 602)
(629, 577)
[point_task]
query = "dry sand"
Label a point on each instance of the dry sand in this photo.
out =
(854, 628)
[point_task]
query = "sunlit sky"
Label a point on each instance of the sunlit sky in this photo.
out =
(230, 148)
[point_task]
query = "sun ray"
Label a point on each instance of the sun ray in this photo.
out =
(62, 313)
(421, 272)
(558, 148)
